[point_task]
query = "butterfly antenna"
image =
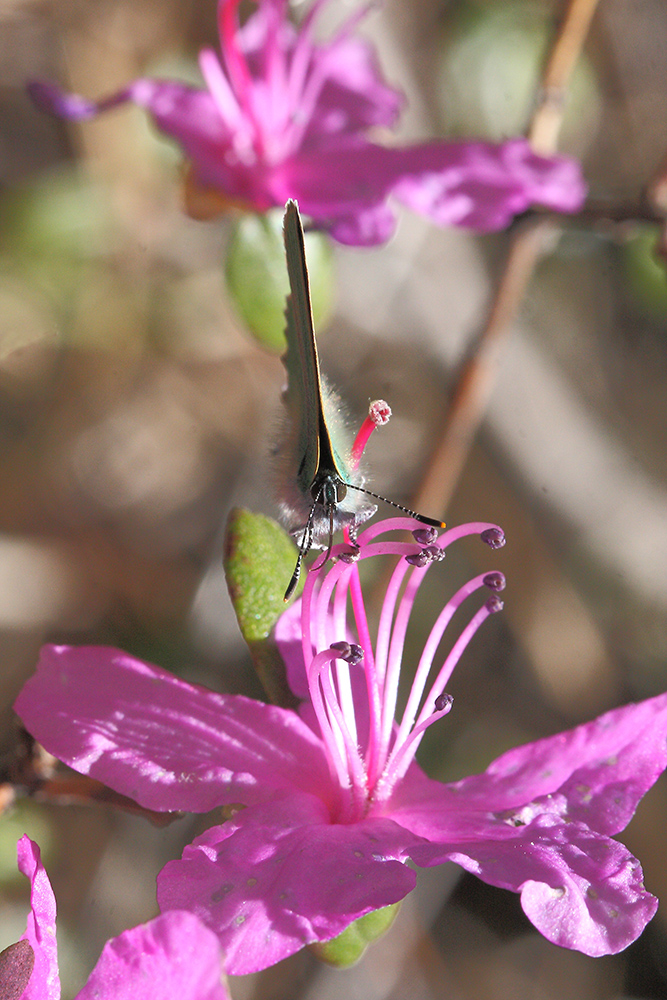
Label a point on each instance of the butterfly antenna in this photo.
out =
(406, 510)
(304, 549)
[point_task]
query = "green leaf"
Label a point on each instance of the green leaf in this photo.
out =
(259, 558)
(348, 947)
(256, 276)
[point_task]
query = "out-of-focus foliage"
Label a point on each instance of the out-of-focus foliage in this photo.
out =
(646, 271)
(492, 56)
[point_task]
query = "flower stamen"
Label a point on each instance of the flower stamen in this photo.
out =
(370, 750)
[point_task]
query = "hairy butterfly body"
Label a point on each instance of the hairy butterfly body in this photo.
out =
(322, 493)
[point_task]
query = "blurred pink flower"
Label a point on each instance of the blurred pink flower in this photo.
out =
(285, 117)
(334, 803)
(171, 956)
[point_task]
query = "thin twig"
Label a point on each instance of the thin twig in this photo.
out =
(547, 118)
(477, 376)
(79, 789)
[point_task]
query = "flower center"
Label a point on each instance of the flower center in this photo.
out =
(271, 77)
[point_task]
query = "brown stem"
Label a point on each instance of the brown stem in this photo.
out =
(619, 213)
(81, 790)
(548, 115)
(477, 376)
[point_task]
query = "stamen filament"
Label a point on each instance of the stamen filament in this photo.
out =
(429, 651)
(237, 68)
(386, 618)
(453, 658)
(369, 753)
(399, 761)
(222, 93)
(342, 668)
(333, 749)
(373, 684)
(341, 749)
(395, 658)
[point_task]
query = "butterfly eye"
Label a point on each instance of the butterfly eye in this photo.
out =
(341, 492)
(328, 491)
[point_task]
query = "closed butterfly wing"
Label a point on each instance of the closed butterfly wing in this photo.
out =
(303, 396)
(321, 491)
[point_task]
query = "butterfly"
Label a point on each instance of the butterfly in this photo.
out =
(325, 494)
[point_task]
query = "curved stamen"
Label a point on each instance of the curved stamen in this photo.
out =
(342, 669)
(386, 618)
(333, 750)
(373, 685)
(389, 524)
(341, 749)
(237, 67)
(398, 764)
(395, 659)
(301, 55)
(403, 753)
(429, 651)
(220, 90)
(490, 607)
(308, 83)
(235, 62)
(367, 774)
(273, 62)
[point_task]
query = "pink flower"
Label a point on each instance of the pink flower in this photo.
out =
(171, 956)
(329, 802)
(285, 117)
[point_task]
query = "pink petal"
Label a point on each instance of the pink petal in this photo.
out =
(482, 186)
(596, 773)
(172, 956)
(55, 101)
(40, 932)
(167, 744)
(474, 184)
(192, 117)
(280, 876)
(580, 890)
(287, 634)
(353, 98)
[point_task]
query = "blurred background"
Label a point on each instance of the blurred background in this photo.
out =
(135, 410)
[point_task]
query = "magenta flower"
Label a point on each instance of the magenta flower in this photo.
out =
(285, 117)
(171, 956)
(335, 804)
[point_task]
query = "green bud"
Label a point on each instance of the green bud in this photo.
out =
(257, 282)
(259, 559)
(350, 945)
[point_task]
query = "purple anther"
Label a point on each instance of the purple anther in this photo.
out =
(419, 559)
(443, 701)
(425, 536)
(494, 537)
(494, 604)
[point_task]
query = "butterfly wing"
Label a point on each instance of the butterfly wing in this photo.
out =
(309, 454)
(304, 391)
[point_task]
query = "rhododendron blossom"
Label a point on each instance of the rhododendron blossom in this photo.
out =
(283, 116)
(171, 956)
(328, 803)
